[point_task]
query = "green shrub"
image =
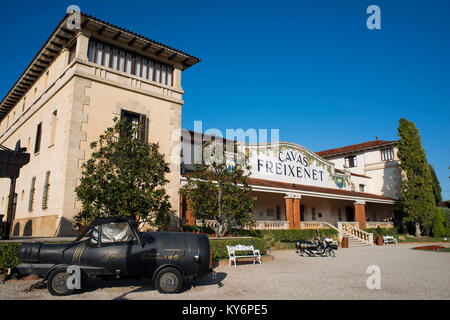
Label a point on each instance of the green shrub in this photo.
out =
(288, 235)
(9, 255)
(207, 230)
(219, 246)
(446, 214)
(382, 231)
(439, 224)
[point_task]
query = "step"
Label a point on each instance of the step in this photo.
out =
(355, 242)
(362, 244)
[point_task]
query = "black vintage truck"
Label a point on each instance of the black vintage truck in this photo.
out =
(114, 248)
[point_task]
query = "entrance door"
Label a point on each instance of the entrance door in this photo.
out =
(302, 212)
(350, 213)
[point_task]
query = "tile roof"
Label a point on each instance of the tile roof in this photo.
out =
(300, 187)
(355, 147)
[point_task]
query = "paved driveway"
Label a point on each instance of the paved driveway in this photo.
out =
(405, 274)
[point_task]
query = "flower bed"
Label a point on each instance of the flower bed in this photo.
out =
(430, 248)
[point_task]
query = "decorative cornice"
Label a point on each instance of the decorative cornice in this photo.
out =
(62, 37)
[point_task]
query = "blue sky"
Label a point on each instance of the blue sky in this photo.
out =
(311, 69)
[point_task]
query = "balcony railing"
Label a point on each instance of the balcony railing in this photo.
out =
(258, 225)
(274, 225)
(381, 224)
(271, 225)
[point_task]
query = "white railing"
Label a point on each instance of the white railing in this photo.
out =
(271, 225)
(354, 224)
(352, 228)
(316, 225)
(206, 223)
(258, 225)
(381, 224)
(275, 225)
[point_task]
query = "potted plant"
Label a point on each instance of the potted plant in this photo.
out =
(379, 236)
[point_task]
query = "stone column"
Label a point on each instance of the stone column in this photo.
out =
(82, 46)
(177, 77)
(290, 210)
(360, 213)
(297, 224)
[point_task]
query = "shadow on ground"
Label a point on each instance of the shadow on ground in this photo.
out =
(146, 284)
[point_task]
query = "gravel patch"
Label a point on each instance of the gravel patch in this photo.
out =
(405, 274)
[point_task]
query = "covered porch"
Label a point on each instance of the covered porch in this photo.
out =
(275, 210)
(287, 210)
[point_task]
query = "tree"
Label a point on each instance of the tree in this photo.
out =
(440, 224)
(436, 186)
(125, 176)
(417, 201)
(219, 192)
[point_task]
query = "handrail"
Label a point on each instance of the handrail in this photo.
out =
(351, 229)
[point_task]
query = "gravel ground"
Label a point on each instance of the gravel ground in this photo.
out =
(405, 274)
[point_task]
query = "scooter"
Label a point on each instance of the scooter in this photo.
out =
(318, 247)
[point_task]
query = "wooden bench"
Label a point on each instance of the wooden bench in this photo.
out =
(243, 252)
(389, 239)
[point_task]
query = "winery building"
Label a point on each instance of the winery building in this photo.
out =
(354, 186)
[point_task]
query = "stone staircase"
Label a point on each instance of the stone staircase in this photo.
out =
(356, 236)
(355, 242)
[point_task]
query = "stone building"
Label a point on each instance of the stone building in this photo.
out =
(67, 96)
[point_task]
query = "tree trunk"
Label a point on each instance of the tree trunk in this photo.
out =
(418, 233)
(221, 230)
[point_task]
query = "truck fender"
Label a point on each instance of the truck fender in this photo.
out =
(166, 266)
(56, 266)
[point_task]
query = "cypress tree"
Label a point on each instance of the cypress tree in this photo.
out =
(417, 202)
(436, 186)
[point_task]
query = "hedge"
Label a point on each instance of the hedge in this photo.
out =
(219, 246)
(8, 255)
(207, 230)
(288, 235)
(382, 231)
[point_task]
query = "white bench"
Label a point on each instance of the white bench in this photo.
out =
(233, 253)
(389, 239)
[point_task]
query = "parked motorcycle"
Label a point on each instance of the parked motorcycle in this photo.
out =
(317, 247)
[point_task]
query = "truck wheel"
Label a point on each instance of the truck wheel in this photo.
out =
(56, 283)
(168, 280)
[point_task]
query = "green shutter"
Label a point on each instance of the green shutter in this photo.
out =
(31, 199)
(45, 192)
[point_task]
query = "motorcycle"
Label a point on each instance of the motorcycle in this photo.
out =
(318, 247)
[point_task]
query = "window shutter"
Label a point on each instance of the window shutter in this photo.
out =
(46, 188)
(143, 128)
(31, 199)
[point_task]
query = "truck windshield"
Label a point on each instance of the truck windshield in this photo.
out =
(117, 232)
